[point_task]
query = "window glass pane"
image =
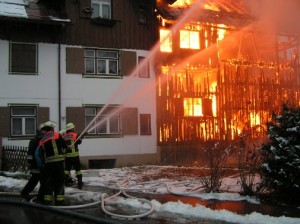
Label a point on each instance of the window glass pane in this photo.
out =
(101, 68)
(96, 10)
(30, 126)
(165, 41)
(113, 67)
(102, 127)
(89, 53)
(88, 121)
(145, 124)
(106, 11)
(142, 15)
(90, 66)
(143, 68)
(107, 54)
(184, 39)
(194, 40)
(22, 111)
(90, 111)
(114, 125)
(17, 126)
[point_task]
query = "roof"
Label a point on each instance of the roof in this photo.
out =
(30, 10)
(227, 12)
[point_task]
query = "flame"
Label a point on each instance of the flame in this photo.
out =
(211, 7)
(192, 107)
(165, 40)
(189, 39)
(254, 119)
(182, 3)
(213, 97)
(221, 31)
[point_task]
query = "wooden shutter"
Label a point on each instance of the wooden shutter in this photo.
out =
(42, 115)
(75, 60)
(76, 115)
(85, 9)
(4, 121)
(129, 121)
(128, 62)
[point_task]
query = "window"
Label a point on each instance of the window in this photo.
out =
(189, 39)
(108, 122)
(142, 15)
(192, 107)
(101, 62)
(165, 40)
(143, 67)
(145, 124)
(23, 121)
(23, 58)
(101, 8)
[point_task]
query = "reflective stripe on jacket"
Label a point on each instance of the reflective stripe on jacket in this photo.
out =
(72, 149)
(52, 150)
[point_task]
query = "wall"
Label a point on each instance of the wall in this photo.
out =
(76, 91)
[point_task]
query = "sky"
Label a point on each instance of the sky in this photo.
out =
(157, 180)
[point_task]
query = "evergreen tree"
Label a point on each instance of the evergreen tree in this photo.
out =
(281, 156)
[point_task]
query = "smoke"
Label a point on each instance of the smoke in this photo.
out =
(276, 15)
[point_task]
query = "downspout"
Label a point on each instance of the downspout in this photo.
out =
(59, 86)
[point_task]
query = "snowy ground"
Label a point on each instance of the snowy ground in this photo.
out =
(160, 180)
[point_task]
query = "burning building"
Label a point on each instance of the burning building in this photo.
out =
(222, 72)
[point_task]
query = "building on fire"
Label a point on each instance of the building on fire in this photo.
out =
(224, 70)
(149, 81)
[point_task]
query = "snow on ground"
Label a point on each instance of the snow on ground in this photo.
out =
(162, 180)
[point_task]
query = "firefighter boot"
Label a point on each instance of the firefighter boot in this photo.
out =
(79, 181)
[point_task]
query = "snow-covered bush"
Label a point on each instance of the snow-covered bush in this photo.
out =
(281, 156)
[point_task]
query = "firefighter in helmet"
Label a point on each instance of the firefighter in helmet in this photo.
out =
(35, 177)
(50, 158)
(72, 159)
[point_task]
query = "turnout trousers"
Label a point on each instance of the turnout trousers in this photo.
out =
(54, 182)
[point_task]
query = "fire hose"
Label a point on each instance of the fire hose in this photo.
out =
(121, 187)
(104, 199)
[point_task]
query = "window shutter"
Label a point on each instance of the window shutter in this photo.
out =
(130, 121)
(74, 60)
(43, 115)
(4, 121)
(85, 8)
(128, 62)
(76, 115)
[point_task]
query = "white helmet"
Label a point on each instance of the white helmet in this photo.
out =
(62, 131)
(70, 126)
(50, 124)
(41, 126)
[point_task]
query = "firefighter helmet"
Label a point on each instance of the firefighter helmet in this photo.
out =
(62, 132)
(70, 126)
(50, 124)
(41, 126)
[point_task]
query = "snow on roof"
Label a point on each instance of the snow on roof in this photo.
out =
(19, 2)
(12, 10)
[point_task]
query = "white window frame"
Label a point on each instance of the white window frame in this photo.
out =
(96, 56)
(24, 118)
(101, 4)
(103, 124)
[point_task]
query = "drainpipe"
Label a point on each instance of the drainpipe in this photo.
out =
(59, 86)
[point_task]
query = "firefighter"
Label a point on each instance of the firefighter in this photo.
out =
(35, 177)
(72, 159)
(50, 158)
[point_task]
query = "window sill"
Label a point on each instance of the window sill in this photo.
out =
(102, 76)
(103, 22)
